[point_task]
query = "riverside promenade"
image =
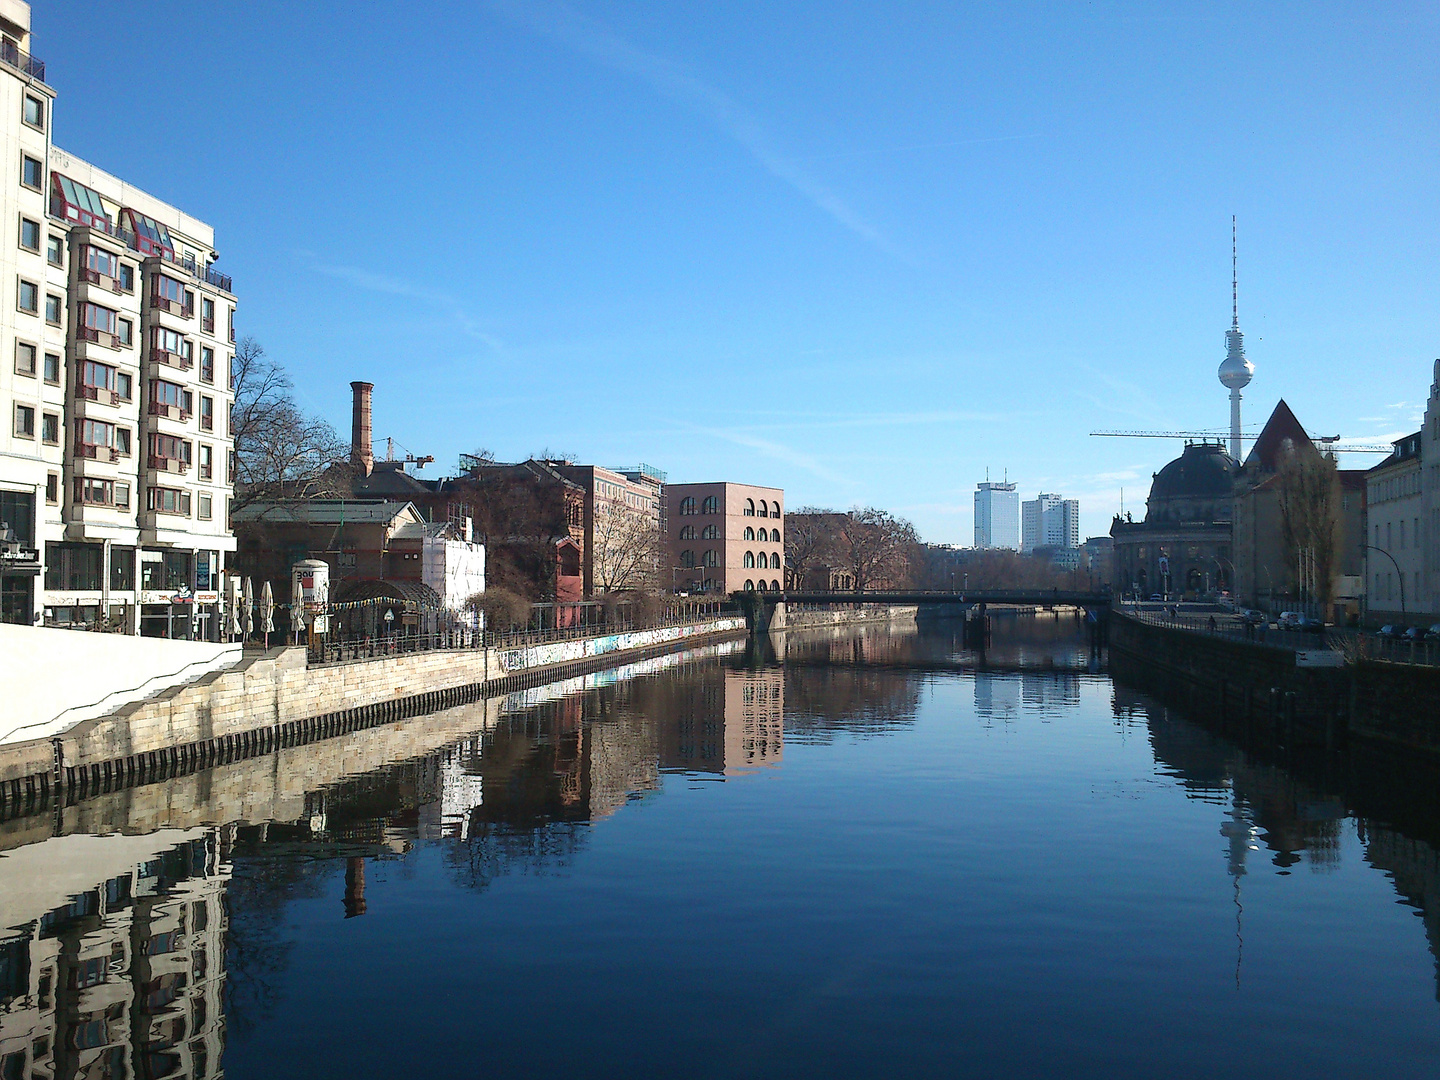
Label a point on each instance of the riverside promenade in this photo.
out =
(278, 697)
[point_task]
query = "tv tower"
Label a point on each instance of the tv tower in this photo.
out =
(1235, 371)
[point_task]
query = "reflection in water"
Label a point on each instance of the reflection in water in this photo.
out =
(145, 927)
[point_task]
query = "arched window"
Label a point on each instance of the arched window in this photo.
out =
(687, 559)
(749, 585)
(763, 586)
(764, 508)
(774, 536)
(774, 586)
(764, 561)
(711, 505)
(708, 559)
(749, 507)
(749, 560)
(750, 533)
(687, 506)
(775, 510)
(710, 532)
(709, 585)
(687, 532)
(775, 560)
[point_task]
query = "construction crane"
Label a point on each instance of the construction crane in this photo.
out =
(1325, 442)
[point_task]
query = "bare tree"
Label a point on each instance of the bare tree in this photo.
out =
(809, 543)
(874, 546)
(626, 551)
(1308, 486)
(280, 453)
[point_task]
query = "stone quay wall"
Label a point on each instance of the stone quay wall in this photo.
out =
(869, 613)
(1259, 692)
(275, 699)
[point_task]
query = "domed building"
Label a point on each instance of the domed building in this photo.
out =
(1183, 547)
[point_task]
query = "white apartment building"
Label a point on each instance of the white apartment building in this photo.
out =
(1395, 510)
(116, 340)
(1049, 521)
(997, 516)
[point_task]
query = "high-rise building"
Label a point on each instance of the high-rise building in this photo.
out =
(115, 356)
(997, 516)
(1049, 521)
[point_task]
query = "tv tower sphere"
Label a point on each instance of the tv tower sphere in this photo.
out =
(1235, 371)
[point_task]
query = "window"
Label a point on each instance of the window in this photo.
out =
(203, 508)
(687, 559)
(232, 324)
(124, 386)
(29, 297)
(73, 566)
(127, 277)
(710, 532)
(122, 569)
(207, 315)
(29, 234)
(774, 585)
(764, 512)
(171, 344)
(749, 507)
(94, 492)
(168, 448)
(207, 413)
(207, 363)
(52, 367)
(168, 501)
(55, 250)
(687, 506)
(763, 587)
(763, 561)
(50, 428)
(32, 173)
(52, 488)
(708, 559)
(125, 332)
(207, 462)
(166, 293)
(24, 358)
(750, 533)
(54, 306)
(96, 321)
(749, 585)
(34, 111)
(96, 376)
(168, 395)
(24, 421)
(687, 532)
(711, 505)
(749, 560)
(775, 510)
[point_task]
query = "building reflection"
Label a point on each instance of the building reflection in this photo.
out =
(123, 978)
(729, 723)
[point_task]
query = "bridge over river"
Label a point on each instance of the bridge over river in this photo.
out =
(967, 598)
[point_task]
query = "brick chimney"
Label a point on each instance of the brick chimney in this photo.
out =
(361, 455)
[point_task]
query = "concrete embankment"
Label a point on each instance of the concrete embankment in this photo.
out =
(786, 619)
(276, 699)
(1263, 693)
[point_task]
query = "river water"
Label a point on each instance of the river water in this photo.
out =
(880, 856)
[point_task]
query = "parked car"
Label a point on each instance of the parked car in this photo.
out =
(1156, 598)
(1415, 633)
(1289, 620)
(1433, 634)
(1390, 630)
(1254, 617)
(1310, 625)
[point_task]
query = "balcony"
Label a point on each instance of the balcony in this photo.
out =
(98, 393)
(168, 412)
(22, 62)
(96, 451)
(168, 464)
(94, 277)
(76, 215)
(170, 359)
(100, 337)
(174, 307)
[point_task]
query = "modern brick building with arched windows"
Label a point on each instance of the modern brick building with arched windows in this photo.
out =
(723, 538)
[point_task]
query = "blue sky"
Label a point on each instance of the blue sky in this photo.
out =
(862, 251)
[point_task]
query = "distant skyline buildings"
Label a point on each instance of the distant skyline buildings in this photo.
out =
(997, 516)
(1049, 521)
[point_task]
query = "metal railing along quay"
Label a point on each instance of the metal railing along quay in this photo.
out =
(332, 650)
(1355, 644)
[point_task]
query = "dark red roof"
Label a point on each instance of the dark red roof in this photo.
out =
(1282, 427)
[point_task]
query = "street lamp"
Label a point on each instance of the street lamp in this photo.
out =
(1398, 574)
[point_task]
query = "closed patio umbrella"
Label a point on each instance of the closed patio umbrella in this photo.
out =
(267, 612)
(247, 609)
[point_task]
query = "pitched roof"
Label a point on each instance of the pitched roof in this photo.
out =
(327, 512)
(1282, 427)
